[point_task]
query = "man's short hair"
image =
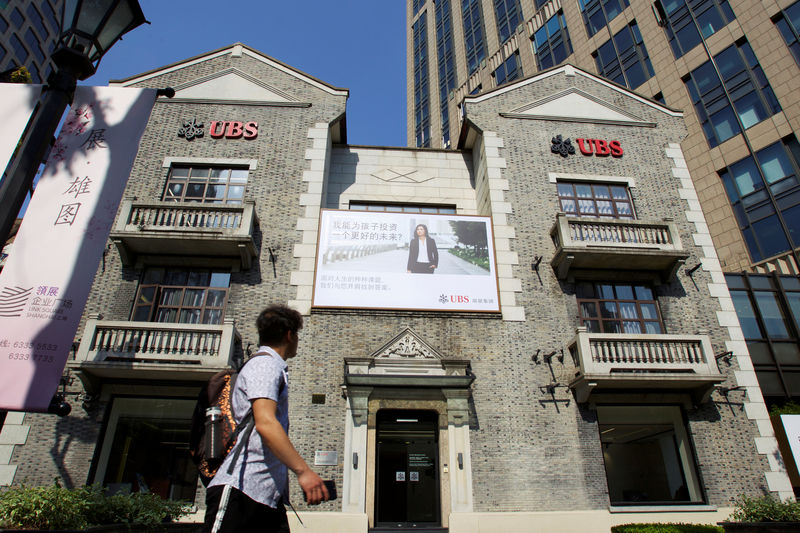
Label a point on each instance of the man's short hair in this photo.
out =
(274, 322)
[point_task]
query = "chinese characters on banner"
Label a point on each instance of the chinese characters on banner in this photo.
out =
(46, 280)
(370, 260)
(16, 105)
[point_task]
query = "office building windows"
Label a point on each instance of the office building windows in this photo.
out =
(742, 98)
(447, 67)
(595, 200)
(768, 307)
(647, 455)
(3, 25)
(623, 59)
(598, 13)
(764, 191)
(551, 43)
(33, 44)
(788, 22)
(509, 16)
(508, 71)
(417, 5)
(618, 308)
(17, 18)
(687, 23)
(19, 49)
(540, 4)
(52, 16)
(474, 41)
(181, 296)
(37, 21)
(214, 185)
(422, 119)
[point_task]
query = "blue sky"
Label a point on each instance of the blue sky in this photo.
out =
(356, 44)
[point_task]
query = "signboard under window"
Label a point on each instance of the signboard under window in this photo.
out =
(380, 260)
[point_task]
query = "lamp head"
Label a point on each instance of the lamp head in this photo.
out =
(89, 28)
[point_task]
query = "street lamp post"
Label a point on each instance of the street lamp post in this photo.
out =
(89, 29)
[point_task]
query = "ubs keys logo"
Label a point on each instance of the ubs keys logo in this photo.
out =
(453, 298)
(13, 300)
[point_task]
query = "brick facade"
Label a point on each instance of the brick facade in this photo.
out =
(525, 448)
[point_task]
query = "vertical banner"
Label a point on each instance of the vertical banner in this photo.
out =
(47, 277)
(17, 101)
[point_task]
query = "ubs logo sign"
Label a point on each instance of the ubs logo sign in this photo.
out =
(218, 129)
(597, 147)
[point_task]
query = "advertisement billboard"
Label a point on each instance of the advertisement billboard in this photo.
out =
(389, 260)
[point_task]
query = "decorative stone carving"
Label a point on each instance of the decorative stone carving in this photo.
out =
(402, 175)
(407, 345)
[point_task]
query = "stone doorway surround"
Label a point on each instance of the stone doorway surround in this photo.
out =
(407, 373)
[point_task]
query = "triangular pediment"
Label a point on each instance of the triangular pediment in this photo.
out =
(407, 346)
(231, 85)
(575, 105)
(221, 86)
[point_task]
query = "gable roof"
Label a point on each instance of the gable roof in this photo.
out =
(575, 105)
(568, 69)
(237, 50)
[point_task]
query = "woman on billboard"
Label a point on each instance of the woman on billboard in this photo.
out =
(423, 257)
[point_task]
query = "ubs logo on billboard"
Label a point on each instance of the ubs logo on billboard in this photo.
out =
(596, 147)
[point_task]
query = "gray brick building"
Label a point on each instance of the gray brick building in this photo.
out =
(585, 392)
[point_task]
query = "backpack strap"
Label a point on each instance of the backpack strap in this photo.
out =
(245, 427)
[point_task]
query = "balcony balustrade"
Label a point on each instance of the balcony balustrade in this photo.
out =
(630, 361)
(154, 350)
(146, 231)
(616, 245)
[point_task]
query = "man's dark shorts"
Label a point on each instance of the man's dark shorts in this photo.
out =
(244, 514)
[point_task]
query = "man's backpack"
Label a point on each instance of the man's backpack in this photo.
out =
(214, 432)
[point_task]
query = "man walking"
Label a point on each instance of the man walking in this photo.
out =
(252, 496)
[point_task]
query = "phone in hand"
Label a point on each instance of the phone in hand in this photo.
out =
(331, 486)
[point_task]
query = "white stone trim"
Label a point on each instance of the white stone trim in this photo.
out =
(569, 70)
(754, 406)
(252, 164)
(555, 177)
(236, 50)
(504, 233)
(14, 433)
(318, 158)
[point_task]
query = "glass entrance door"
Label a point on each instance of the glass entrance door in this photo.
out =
(407, 473)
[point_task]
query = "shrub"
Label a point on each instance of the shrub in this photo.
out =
(666, 528)
(789, 408)
(55, 507)
(765, 509)
(44, 508)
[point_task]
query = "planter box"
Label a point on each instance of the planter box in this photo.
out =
(119, 528)
(760, 527)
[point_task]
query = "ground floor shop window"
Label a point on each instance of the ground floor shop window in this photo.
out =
(146, 448)
(647, 455)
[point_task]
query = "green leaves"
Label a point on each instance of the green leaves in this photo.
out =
(666, 528)
(765, 509)
(55, 507)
